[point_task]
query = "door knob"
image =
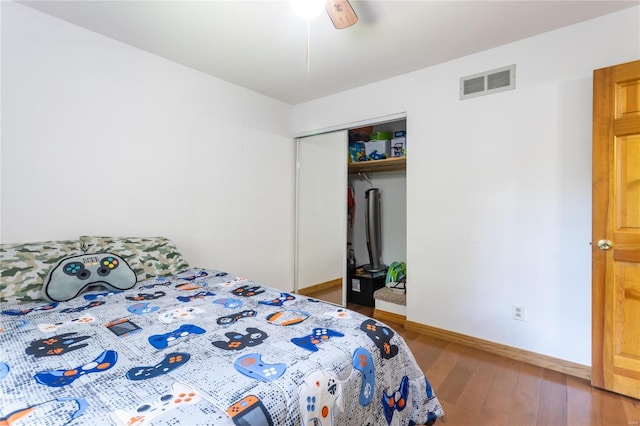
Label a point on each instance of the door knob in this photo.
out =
(605, 244)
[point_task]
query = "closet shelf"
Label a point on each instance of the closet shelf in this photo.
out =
(387, 165)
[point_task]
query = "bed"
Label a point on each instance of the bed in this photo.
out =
(167, 343)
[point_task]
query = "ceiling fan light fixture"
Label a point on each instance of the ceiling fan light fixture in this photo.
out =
(308, 9)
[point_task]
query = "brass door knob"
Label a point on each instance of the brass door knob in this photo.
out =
(604, 244)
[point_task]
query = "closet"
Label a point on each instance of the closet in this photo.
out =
(324, 228)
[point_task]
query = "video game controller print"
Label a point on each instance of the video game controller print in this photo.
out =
(17, 312)
(284, 297)
(317, 336)
(191, 284)
(201, 274)
(247, 291)
(103, 295)
(233, 282)
(199, 295)
(64, 408)
(180, 395)
(363, 362)
(93, 304)
(320, 395)
(50, 328)
(249, 411)
(238, 341)
(62, 377)
(230, 319)
(142, 308)
(339, 314)
(56, 345)
(4, 370)
(150, 286)
(169, 363)
(167, 317)
(147, 296)
(161, 341)
(381, 336)
(229, 303)
(251, 365)
(397, 401)
(287, 317)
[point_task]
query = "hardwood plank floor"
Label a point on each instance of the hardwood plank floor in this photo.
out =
(478, 388)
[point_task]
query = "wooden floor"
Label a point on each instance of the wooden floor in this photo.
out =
(479, 388)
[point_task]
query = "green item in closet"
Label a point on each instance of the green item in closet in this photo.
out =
(380, 136)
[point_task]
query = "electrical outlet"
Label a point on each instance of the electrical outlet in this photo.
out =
(517, 312)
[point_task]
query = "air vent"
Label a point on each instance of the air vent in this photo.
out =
(488, 82)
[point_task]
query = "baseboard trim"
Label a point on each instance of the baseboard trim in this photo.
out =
(544, 361)
(319, 287)
(389, 316)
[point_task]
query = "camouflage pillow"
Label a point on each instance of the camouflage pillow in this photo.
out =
(148, 256)
(23, 267)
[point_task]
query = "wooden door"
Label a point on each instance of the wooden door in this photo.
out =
(321, 211)
(616, 229)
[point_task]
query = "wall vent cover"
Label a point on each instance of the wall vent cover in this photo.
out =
(488, 82)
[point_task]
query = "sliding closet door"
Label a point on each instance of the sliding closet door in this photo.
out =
(321, 233)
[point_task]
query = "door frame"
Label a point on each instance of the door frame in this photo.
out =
(319, 131)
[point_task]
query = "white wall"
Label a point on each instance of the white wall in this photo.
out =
(99, 137)
(499, 187)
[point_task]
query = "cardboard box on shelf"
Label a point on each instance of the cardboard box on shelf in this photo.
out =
(382, 147)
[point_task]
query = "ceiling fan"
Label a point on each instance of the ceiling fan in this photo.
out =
(340, 12)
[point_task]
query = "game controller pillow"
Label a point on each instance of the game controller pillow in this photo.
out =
(71, 275)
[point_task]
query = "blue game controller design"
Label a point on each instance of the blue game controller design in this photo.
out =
(229, 303)
(150, 286)
(251, 365)
(199, 295)
(169, 363)
(56, 345)
(93, 304)
(96, 296)
(381, 336)
(200, 274)
(363, 362)
(73, 274)
(396, 401)
(142, 308)
(58, 378)
(4, 370)
(230, 319)
(318, 335)
(17, 312)
(246, 291)
(284, 297)
(238, 341)
(161, 341)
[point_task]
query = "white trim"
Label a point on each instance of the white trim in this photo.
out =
(355, 124)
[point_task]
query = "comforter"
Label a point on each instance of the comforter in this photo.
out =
(205, 348)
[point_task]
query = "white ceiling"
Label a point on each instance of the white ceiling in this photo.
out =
(262, 46)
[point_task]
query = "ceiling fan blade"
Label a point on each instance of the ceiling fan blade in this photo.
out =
(341, 13)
